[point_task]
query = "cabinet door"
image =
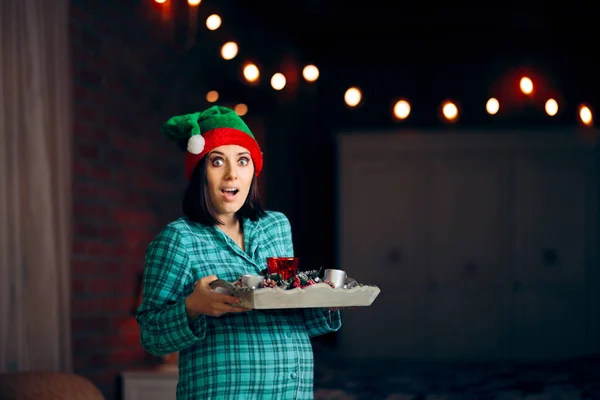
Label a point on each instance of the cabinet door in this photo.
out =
(554, 217)
(468, 267)
(381, 243)
(150, 388)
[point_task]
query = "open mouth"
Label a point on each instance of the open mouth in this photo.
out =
(230, 192)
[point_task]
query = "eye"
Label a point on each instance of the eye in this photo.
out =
(217, 161)
(244, 161)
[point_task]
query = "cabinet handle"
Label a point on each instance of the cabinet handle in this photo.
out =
(549, 257)
(470, 268)
(394, 257)
(516, 286)
(432, 286)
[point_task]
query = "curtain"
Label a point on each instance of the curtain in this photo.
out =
(35, 185)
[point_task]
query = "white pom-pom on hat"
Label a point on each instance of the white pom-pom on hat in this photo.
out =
(196, 144)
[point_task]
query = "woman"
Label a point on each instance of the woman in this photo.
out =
(225, 351)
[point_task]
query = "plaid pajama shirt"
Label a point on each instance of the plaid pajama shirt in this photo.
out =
(259, 354)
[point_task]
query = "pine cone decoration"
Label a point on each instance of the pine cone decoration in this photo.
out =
(297, 282)
(329, 283)
(277, 278)
(269, 283)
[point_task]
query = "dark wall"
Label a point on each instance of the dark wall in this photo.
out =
(127, 179)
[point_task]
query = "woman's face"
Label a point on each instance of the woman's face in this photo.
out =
(229, 173)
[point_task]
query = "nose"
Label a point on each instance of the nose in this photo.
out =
(231, 172)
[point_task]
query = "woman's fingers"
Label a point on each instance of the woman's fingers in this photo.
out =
(228, 305)
(232, 309)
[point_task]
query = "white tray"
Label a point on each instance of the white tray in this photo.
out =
(313, 296)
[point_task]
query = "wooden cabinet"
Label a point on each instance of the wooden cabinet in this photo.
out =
(484, 245)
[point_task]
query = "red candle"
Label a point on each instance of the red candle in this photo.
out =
(285, 266)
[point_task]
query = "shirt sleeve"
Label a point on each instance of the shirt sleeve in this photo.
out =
(164, 325)
(318, 321)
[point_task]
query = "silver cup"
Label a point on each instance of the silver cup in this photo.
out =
(335, 276)
(253, 281)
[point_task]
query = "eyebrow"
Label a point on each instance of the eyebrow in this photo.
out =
(239, 154)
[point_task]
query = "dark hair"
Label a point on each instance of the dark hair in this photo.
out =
(198, 208)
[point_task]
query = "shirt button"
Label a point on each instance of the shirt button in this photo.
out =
(293, 375)
(289, 334)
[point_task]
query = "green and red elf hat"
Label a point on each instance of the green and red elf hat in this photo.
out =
(201, 132)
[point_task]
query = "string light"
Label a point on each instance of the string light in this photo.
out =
(241, 109)
(229, 50)
(585, 115)
(353, 96)
(402, 109)
(526, 85)
(551, 107)
(278, 81)
(194, 3)
(251, 72)
(492, 106)
(213, 22)
(450, 110)
(310, 73)
(212, 96)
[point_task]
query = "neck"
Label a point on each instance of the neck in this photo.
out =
(230, 222)
(232, 227)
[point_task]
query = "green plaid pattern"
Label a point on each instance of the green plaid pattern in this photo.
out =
(260, 354)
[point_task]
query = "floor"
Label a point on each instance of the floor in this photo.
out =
(566, 380)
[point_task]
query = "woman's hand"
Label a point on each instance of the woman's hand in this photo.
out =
(204, 300)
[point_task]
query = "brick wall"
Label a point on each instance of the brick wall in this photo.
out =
(127, 179)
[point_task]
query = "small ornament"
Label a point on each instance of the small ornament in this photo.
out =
(303, 278)
(297, 283)
(277, 278)
(300, 280)
(309, 282)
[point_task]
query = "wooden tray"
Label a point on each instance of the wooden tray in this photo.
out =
(313, 296)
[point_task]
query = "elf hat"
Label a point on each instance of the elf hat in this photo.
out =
(201, 132)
